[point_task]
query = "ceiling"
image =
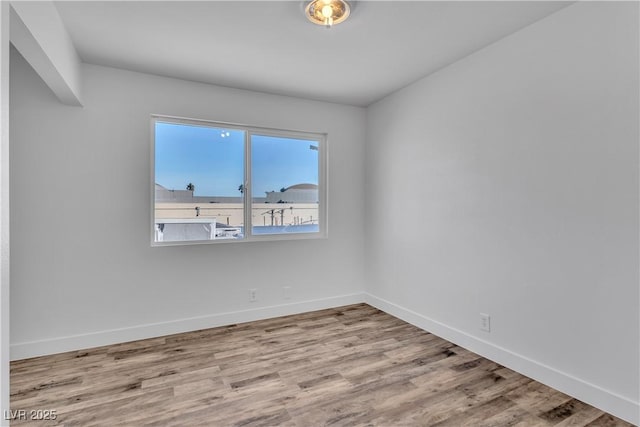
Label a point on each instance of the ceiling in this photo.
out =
(269, 46)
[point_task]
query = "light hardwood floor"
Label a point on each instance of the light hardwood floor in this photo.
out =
(352, 365)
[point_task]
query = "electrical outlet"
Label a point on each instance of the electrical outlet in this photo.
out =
(253, 295)
(286, 292)
(485, 322)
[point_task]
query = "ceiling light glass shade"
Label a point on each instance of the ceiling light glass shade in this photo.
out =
(327, 12)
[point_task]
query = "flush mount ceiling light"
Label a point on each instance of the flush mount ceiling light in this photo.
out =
(327, 12)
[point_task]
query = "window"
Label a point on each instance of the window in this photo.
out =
(215, 182)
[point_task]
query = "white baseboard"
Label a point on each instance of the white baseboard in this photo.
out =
(596, 396)
(26, 350)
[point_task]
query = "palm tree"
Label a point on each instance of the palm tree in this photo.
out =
(191, 187)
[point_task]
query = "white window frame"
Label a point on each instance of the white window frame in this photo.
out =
(316, 137)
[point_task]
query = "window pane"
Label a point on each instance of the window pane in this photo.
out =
(199, 171)
(284, 185)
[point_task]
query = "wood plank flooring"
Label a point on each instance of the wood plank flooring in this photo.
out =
(352, 365)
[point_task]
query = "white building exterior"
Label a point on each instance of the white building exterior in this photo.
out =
(299, 193)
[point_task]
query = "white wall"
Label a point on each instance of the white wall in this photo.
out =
(522, 161)
(83, 271)
(4, 211)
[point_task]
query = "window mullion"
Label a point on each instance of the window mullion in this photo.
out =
(247, 186)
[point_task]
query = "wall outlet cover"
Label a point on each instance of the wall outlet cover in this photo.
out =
(485, 322)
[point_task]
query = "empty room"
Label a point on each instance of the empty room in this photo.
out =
(309, 213)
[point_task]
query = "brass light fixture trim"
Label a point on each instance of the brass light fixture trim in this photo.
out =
(327, 12)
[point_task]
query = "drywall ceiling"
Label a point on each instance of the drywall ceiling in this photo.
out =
(269, 46)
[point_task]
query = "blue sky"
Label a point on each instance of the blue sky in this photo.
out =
(213, 160)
